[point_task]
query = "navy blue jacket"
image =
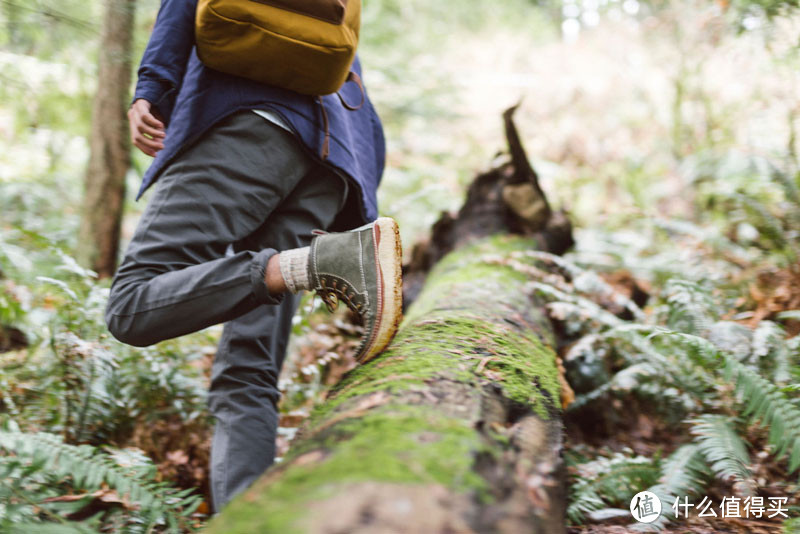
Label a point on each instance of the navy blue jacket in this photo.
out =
(191, 98)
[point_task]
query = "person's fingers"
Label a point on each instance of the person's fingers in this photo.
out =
(152, 144)
(150, 120)
(155, 133)
(145, 150)
(141, 146)
(132, 123)
(147, 132)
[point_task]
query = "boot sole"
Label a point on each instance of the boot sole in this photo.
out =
(389, 255)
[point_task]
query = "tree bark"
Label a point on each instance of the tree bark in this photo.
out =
(109, 143)
(455, 428)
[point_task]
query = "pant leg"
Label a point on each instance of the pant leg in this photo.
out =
(175, 277)
(244, 381)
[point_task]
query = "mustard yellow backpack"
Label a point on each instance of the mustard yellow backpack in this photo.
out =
(307, 46)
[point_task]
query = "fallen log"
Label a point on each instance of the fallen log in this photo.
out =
(455, 428)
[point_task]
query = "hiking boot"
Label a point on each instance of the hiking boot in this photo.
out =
(362, 268)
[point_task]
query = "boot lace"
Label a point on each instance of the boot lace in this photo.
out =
(331, 295)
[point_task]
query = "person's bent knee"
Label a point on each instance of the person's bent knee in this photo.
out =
(124, 327)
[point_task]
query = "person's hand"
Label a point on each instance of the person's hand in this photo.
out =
(147, 132)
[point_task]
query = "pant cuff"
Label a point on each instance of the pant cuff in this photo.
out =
(258, 270)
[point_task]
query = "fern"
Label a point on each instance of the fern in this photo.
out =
(770, 225)
(724, 450)
(609, 481)
(583, 280)
(770, 352)
(48, 528)
(767, 405)
(690, 307)
(628, 379)
(789, 314)
(683, 473)
(790, 188)
(583, 308)
(584, 499)
(683, 361)
(791, 526)
(41, 460)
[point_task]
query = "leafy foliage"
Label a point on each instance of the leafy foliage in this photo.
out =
(728, 382)
(608, 481)
(45, 479)
(766, 405)
(73, 389)
(725, 451)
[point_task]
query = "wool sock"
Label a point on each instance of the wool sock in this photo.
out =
(294, 269)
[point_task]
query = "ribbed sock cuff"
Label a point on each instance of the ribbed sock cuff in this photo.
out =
(294, 269)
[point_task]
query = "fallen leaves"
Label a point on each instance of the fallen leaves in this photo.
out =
(774, 291)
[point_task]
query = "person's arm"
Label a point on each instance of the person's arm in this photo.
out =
(161, 73)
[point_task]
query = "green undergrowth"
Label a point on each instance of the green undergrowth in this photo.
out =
(398, 444)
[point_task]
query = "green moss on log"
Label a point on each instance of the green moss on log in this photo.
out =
(469, 311)
(406, 445)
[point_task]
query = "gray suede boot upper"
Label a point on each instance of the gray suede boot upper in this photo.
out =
(362, 269)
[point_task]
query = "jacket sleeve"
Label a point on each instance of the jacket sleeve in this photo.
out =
(164, 61)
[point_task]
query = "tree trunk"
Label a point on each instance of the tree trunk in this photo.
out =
(109, 143)
(456, 427)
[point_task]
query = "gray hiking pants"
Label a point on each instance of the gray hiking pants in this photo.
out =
(246, 184)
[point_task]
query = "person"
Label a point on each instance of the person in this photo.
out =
(238, 177)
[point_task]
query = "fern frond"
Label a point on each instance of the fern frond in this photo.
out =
(586, 309)
(709, 235)
(86, 469)
(767, 405)
(725, 451)
(684, 360)
(583, 280)
(702, 351)
(789, 314)
(628, 379)
(790, 189)
(609, 481)
(791, 526)
(770, 352)
(680, 378)
(691, 309)
(584, 499)
(683, 473)
(770, 225)
(48, 528)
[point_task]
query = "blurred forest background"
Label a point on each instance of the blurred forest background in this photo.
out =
(670, 130)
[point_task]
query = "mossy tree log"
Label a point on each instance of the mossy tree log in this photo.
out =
(456, 427)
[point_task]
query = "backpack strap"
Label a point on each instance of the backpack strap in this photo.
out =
(326, 143)
(356, 79)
